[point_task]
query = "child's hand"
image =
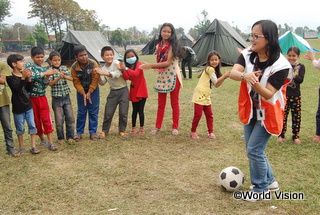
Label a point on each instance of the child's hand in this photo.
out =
(61, 76)
(144, 66)
(122, 66)
(50, 72)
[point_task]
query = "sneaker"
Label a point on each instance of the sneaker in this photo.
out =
(316, 139)
(274, 186)
(280, 140)
(297, 141)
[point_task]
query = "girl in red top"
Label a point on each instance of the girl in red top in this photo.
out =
(138, 88)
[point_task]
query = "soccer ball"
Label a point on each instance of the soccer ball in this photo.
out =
(231, 178)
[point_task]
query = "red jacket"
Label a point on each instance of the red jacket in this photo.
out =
(138, 85)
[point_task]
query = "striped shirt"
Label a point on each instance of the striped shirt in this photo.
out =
(61, 88)
(39, 84)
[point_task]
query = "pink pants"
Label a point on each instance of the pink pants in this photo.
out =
(197, 116)
(42, 117)
(162, 100)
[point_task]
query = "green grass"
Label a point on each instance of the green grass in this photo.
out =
(162, 174)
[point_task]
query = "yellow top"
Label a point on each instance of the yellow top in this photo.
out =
(202, 91)
(4, 70)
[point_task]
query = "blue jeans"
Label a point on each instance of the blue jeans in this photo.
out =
(19, 122)
(91, 109)
(63, 112)
(6, 126)
(256, 138)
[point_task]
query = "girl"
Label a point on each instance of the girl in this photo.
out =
(263, 72)
(169, 78)
(293, 96)
(201, 96)
(138, 88)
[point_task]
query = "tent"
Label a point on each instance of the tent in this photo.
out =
(186, 40)
(290, 39)
(150, 48)
(92, 40)
(220, 37)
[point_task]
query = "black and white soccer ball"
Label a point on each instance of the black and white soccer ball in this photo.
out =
(231, 178)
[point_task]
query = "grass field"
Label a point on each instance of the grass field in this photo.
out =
(164, 174)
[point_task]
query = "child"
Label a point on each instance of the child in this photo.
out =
(169, 77)
(61, 103)
(41, 110)
(293, 96)
(20, 84)
(138, 88)
(88, 95)
(119, 94)
(5, 110)
(201, 96)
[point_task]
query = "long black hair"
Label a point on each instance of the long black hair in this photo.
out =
(173, 40)
(270, 32)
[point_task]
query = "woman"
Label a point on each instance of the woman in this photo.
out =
(169, 77)
(263, 72)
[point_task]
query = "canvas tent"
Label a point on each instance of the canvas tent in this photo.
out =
(290, 39)
(150, 48)
(186, 40)
(221, 37)
(92, 40)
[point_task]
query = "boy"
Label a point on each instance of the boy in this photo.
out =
(20, 85)
(61, 103)
(5, 111)
(119, 93)
(40, 81)
(88, 95)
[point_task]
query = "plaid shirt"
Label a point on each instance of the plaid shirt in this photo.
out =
(61, 88)
(39, 84)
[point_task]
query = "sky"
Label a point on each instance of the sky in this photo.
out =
(147, 14)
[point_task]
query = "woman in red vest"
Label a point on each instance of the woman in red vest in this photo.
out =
(263, 72)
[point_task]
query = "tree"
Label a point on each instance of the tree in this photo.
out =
(299, 30)
(40, 35)
(318, 29)
(116, 37)
(203, 24)
(5, 6)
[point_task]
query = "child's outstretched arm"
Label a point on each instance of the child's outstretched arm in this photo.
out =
(222, 78)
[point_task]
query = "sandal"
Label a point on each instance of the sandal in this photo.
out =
(71, 141)
(133, 131)
(43, 143)
(53, 147)
(123, 134)
(155, 131)
(175, 132)
(34, 150)
(22, 151)
(194, 136)
(212, 136)
(13, 152)
(77, 137)
(94, 137)
(141, 131)
(102, 135)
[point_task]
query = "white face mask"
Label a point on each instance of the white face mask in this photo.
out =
(131, 60)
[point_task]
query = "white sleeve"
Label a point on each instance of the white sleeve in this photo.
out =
(214, 78)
